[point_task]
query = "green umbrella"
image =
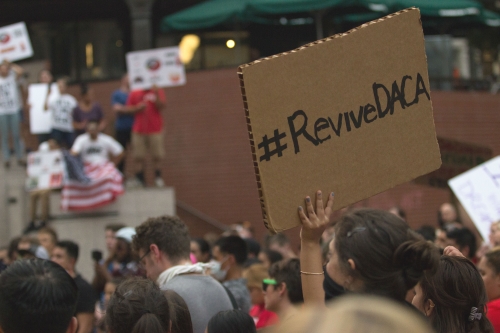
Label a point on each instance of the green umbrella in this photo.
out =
(490, 18)
(205, 15)
(215, 12)
(280, 7)
(358, 18)
(443, 8)
(437, 8)
(486, 17)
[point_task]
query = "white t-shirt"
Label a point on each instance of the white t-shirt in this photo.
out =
(10, 99)
(96, 151)
(61, 108)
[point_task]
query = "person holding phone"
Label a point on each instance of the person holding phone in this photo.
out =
(124, 263)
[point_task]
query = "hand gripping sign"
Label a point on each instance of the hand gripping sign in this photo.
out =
(351, 113)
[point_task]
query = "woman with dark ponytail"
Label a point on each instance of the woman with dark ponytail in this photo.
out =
(373, 252)
(454, 299)
(138, 306)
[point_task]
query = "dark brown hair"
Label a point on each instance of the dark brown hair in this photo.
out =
(493, 259)
(455, 289)
(231, 321)
(49, 231)
(179, 313)
(390, 258)
(169, 233)
(12, 249)
(288, 271)
(463, 237)
(234, 245)
(114, 226)
(138, 306)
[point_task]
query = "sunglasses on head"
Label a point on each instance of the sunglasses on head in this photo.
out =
(267, 282)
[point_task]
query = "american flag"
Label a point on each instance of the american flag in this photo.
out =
(105, 186)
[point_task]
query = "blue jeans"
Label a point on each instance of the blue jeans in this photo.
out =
(64, 139)
(10, 123)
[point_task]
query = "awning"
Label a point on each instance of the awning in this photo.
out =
(215, 12)
(281, 7)
(205, 15)
(490, 18)
(451, 12)
(438, 8)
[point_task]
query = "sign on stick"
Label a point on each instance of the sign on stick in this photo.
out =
(40, 119)
(351, 113)
(478, 190)
(15, 42)
(160, 67)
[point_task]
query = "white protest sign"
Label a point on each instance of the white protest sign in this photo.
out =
(15, 42)
(45, 170)
(40, 119)
(479, 192)
(161, 67)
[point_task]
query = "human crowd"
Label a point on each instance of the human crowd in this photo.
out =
(94, 161)
(364, 271)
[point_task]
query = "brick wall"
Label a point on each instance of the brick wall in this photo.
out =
(209, 162)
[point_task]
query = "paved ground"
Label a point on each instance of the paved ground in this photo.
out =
(132, 208)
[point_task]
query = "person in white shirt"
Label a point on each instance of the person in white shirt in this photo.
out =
(10, 106)
(61, 107)
(97, 148)
(100, 153)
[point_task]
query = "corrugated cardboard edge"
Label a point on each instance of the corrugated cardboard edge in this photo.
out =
(262, 197)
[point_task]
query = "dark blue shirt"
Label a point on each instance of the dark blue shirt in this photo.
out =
(123, 121)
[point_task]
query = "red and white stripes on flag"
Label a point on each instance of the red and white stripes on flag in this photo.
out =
(105, 186)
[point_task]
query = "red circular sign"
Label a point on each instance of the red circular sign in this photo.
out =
(4, 38)
(153, 64)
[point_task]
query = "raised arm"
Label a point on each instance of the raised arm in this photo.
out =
(129, 109)
(160, 98)
(311, 266)
(46, 103)
(17, 69)
(116, 159)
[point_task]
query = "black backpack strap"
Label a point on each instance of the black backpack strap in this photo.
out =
(231, 297)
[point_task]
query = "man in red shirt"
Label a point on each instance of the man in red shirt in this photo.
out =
(147, 130)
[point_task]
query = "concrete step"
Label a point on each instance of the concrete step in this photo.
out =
(131, 209)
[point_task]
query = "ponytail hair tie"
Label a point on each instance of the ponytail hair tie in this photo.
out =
(474, 315)
(145, 311)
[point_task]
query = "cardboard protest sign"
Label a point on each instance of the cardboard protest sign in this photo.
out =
(45, 170)
(160, 67)
(478, 190)
(15, 42)
(40, 119)
(351, 113)
(457, 158)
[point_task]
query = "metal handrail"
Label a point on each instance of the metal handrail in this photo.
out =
(202, 216)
